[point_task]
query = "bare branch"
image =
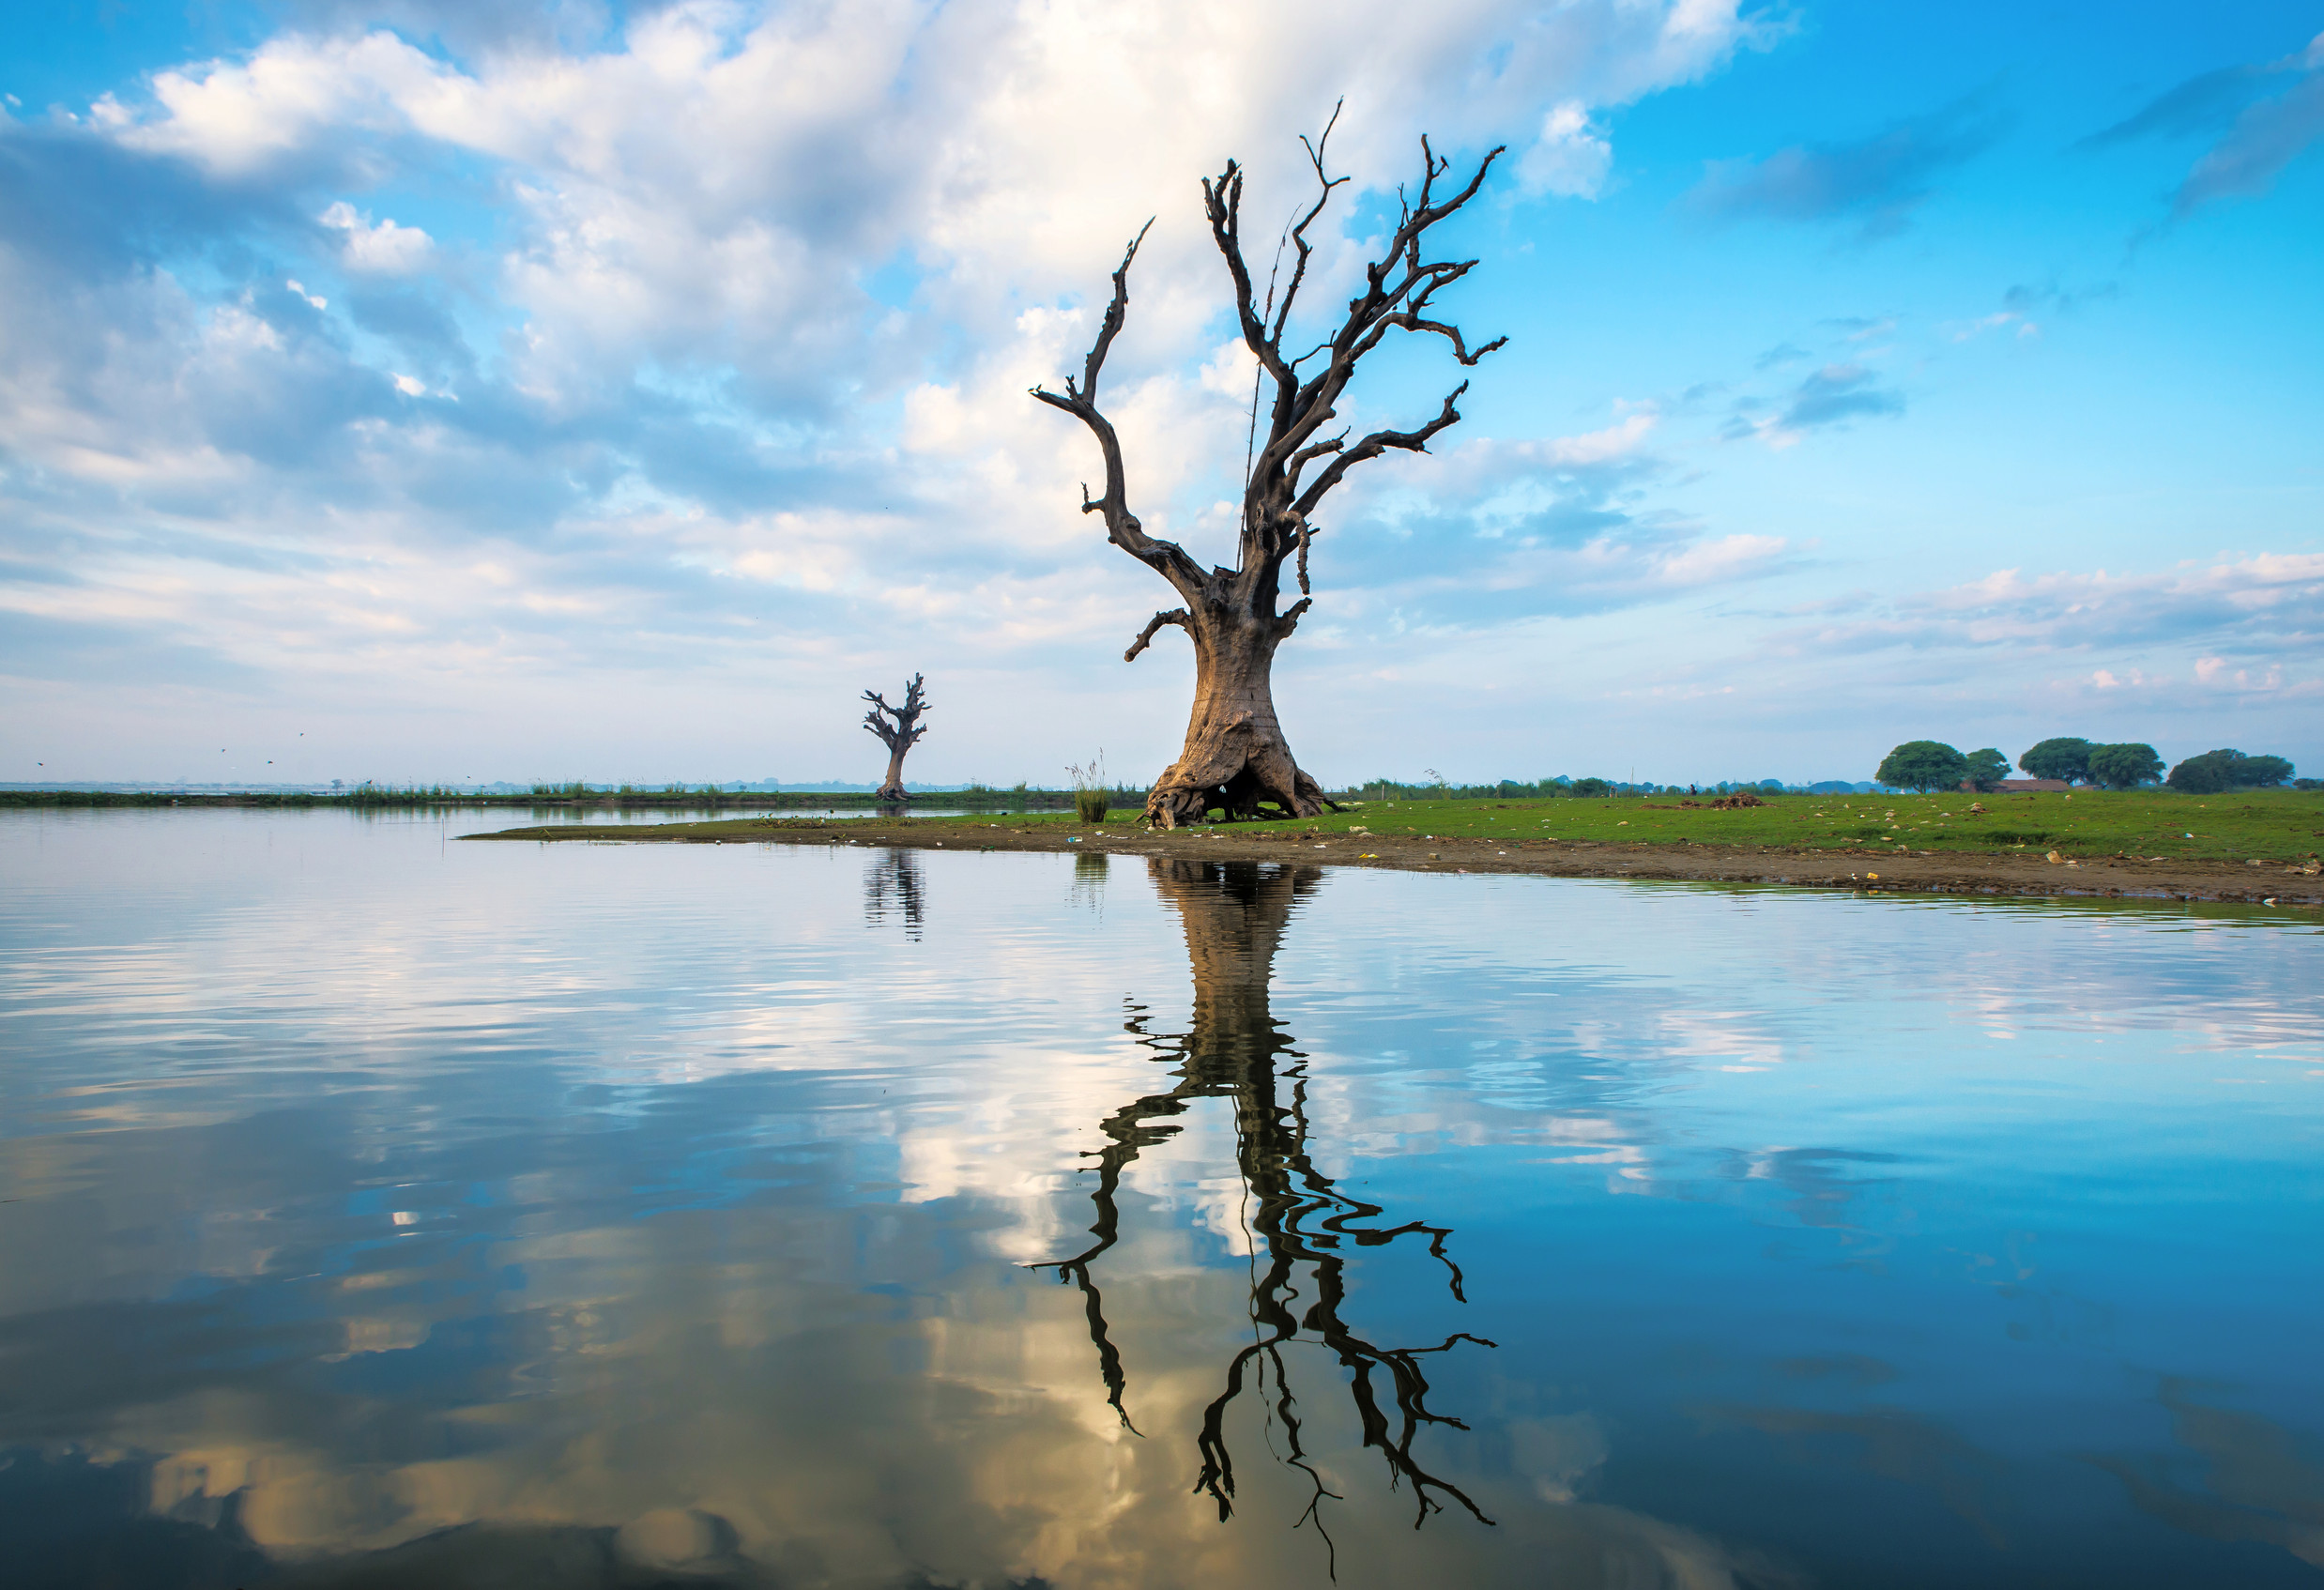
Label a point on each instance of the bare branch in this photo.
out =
(1145, 637)
(1460, 349)
(1397, 293)
(1305, 533)
(1374, 445)
(1079, 399)
(1398, 287)
(1222, 201)
(1299, 233)
(1116, 313)
(1309, 455)
(902, 732)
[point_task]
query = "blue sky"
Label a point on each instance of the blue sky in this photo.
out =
(426, 392)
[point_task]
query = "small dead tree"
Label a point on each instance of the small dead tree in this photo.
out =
(899, 736)
(1235, 757)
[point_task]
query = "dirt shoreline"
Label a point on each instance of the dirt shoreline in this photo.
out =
(1975, 873)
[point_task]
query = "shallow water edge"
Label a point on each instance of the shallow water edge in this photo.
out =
(1870, 872)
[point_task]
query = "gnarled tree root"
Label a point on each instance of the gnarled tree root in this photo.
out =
(1241, 779)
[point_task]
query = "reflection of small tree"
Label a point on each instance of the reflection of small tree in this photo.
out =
(899, 736)
(1089, 881)
(892, 883)
(1234, 914)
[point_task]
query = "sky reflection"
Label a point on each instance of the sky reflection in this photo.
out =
(386, 1208)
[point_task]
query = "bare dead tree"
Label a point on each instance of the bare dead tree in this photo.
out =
(899, 736)
(1235, 758)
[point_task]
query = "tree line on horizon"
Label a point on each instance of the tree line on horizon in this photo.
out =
(1931, 764)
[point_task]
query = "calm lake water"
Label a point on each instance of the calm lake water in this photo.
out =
(384, 1209)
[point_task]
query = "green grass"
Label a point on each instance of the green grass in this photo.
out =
(2275, 824)
(2278, 824)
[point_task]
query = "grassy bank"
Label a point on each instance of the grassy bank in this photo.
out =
(2271, 824)
(2277, 824)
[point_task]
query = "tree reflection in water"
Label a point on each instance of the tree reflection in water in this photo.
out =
(1234, 913)
(892, 883)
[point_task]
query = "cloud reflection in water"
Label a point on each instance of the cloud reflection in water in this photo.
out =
(390, 1210)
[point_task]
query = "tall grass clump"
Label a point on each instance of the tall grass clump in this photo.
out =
(1089, 788)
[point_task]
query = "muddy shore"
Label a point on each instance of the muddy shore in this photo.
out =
(1861, 870)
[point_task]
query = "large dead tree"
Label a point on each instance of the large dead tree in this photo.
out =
(899, 736)
(1235, 758)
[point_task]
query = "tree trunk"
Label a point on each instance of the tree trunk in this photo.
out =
(1234, 914)
(893, 789)
(1235, 756)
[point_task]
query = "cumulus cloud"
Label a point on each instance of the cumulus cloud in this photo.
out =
(1571, 158)
(1876, 181)
(713, 344)
(385, 248)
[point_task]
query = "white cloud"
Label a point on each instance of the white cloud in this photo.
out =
(1995, 322)
(385, 248)
(1622, 440)
(1570, 157)
(290, 99)
(1729, 557)
(722, 173)
(2175, 645)
(691, 428)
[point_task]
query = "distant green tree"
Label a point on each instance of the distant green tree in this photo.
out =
(1987, 768)
(1592, 787)
(2065, 758)
(2218, 771)
(2125, 766)
(1923, 765)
